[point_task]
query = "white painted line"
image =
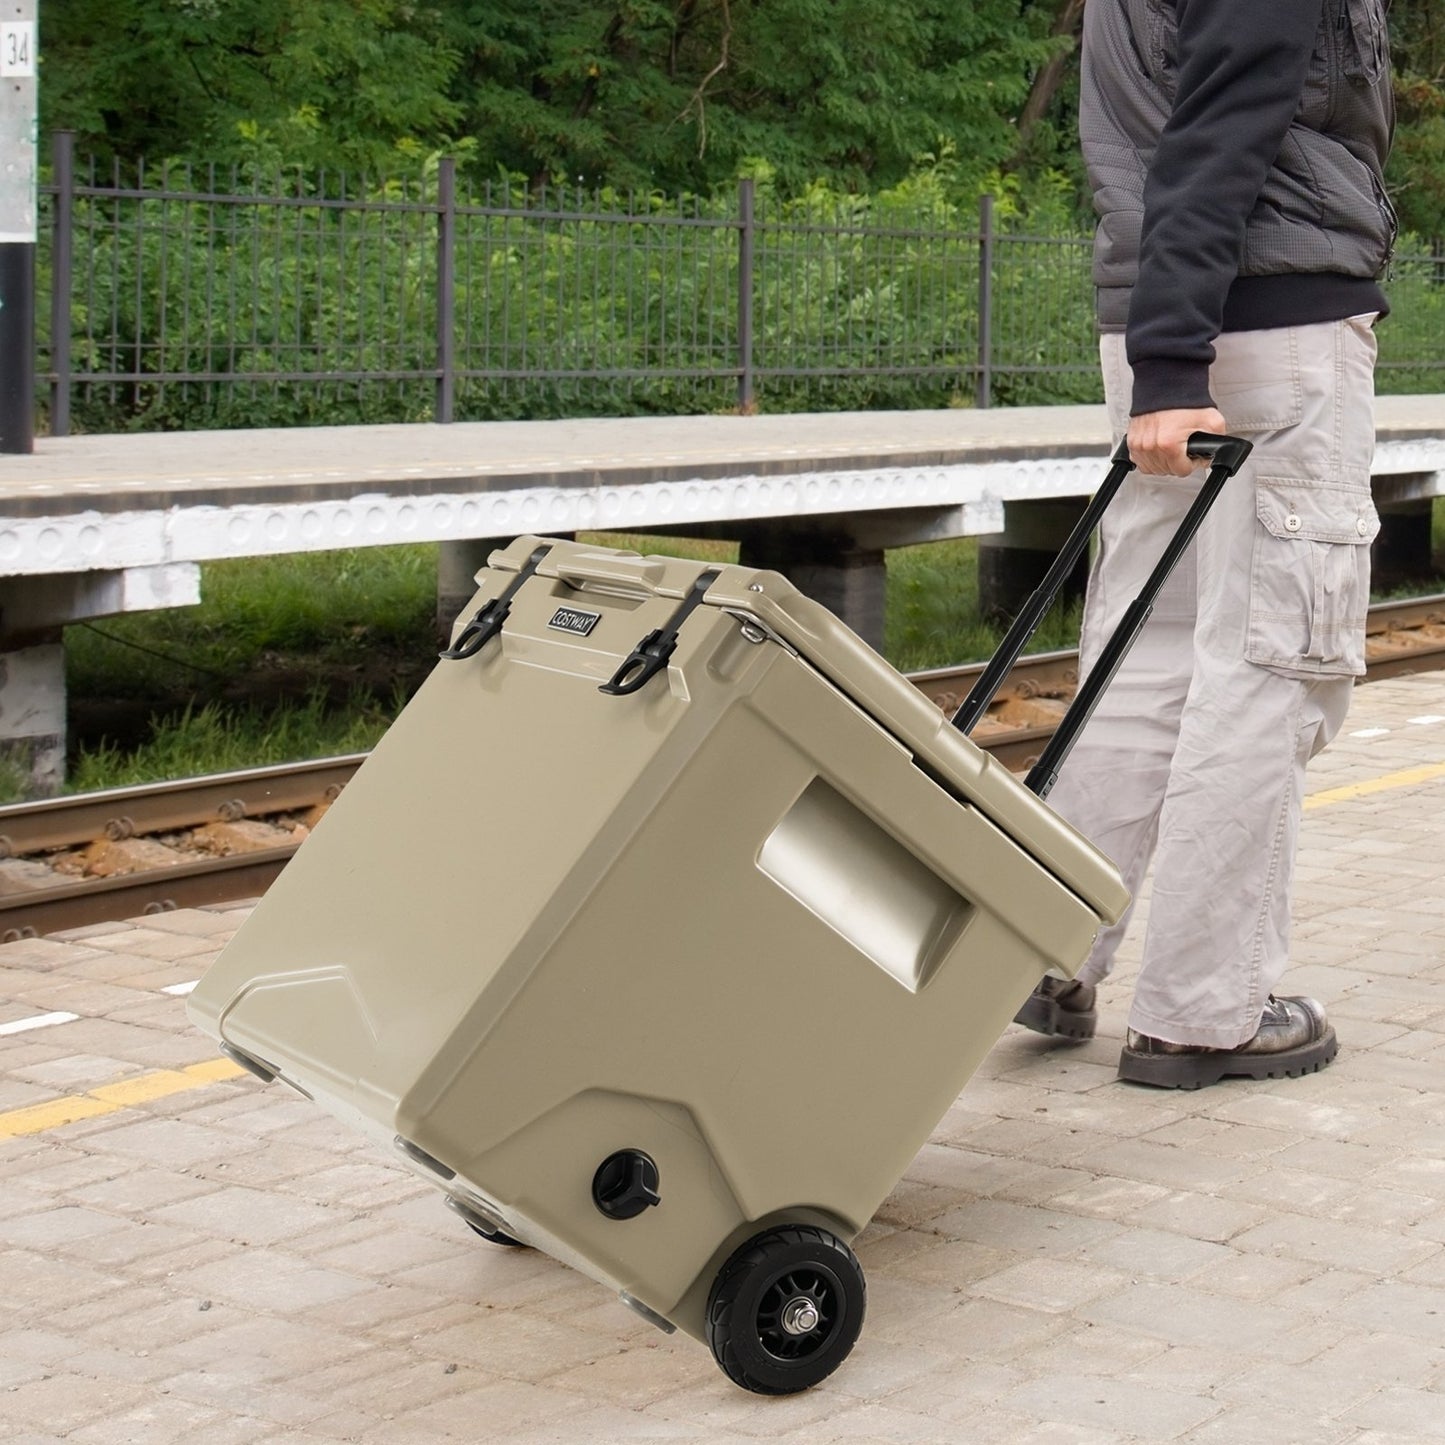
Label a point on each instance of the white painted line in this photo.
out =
(1370, 733)
(181, 989)
(1426, 720)
(39, 1021)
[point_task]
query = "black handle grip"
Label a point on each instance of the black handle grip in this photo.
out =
(1219, 451)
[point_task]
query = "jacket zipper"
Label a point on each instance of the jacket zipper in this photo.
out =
(1392, 223)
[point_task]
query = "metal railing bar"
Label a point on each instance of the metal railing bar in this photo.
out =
(222, 198)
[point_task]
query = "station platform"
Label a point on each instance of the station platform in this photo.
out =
(187, 1254)
(147, 500)
(95, 526)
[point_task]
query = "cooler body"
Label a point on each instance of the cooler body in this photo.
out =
(755, 922)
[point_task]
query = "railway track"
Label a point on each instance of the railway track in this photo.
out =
(227, 836)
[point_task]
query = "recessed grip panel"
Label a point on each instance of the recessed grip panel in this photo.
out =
(864, 884)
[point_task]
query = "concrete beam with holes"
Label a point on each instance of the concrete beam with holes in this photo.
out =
(109, 503)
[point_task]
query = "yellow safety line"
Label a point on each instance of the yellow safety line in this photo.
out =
(1405, 778)
(37, 1118)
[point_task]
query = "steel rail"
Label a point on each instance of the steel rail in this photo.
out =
(1036, 674)
(1404, 637)
(117, 813)
(132, 895)
(1401, 637)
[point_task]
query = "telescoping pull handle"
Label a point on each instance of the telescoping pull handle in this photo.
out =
(1225, 454)
(1040, 599)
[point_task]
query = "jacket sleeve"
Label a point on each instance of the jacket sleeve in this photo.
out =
(1241, 72)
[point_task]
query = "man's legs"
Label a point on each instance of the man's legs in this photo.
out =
(1201, 741)
(1283, 583)
(1112, 787)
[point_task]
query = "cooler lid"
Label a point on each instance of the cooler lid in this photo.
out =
(784, 613)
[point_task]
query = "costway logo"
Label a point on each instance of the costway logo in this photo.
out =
(574, 620)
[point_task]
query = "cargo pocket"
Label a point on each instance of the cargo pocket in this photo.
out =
(1309, 582)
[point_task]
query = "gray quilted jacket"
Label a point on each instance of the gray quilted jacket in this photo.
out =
(1236, 150)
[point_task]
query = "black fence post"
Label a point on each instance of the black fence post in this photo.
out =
(446, 289)
(747, 237)
(984, 397)
(62, 258)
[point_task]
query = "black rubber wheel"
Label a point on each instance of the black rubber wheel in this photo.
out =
(495, 1236)
(786, 1309)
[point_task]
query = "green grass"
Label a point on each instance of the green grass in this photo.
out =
(933, 617)
(213, 738)
(335, 607)
(13, 782)
(285, 658)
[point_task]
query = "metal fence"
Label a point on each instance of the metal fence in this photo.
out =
(194, 297)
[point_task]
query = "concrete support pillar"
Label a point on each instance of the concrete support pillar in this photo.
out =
(33, 611)
(1012, 563)
(457, 566)
(32, 717)
(1401, 554)
(849, 580)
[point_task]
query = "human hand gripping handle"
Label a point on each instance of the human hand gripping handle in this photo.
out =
(1158, 440)
(1215, 448)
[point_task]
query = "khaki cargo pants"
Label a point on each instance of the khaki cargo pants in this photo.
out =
(1196, 755)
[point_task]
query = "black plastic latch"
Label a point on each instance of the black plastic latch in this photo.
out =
(625, 1184)
(650, 655)
(491, 615)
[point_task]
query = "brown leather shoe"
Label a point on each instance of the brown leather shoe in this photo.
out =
(1294, 1038)
(1062, 1008)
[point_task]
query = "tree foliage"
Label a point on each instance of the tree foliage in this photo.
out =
(651, 93)
(1417, 166)
(670, 95)
(314, 82)
(675, 94)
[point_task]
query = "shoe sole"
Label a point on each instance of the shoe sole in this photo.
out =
(1194, 1071)
(1044, 1016)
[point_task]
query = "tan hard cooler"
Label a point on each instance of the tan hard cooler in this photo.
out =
(658, 933)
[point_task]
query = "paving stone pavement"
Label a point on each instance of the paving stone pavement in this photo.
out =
(186, 1255)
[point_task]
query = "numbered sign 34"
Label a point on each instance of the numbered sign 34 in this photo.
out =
(17, 48)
